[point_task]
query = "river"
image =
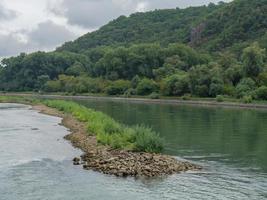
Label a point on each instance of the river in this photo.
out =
(231, 145)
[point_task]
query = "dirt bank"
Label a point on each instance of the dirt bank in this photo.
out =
(115, 162)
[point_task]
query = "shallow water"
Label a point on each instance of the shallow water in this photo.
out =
(35, 160)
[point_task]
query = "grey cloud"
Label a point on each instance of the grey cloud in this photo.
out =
(10, 45)
(6, 14)
(94, 13)
(48, 35)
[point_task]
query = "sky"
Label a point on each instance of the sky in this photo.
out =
(31, 25)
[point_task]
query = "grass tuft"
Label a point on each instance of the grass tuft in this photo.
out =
(108, 131)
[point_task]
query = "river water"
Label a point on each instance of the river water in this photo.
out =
(231, 144)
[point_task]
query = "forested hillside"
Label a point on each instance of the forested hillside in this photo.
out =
(208, 27)
(206, 51)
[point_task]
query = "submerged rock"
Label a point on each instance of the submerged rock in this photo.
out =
(76, 161)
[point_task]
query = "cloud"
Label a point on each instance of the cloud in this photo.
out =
(48, 35)
(11, 45)
(6, 14)
(92, 14)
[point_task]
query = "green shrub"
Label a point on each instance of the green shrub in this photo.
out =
(147, 140)
(219, 98)
(176, 85)
(186, 97)
(261, 93)
(118, 87)
(247, 99)
(52, 86)
(154, 95)
(130, 92)
(146, 87)
(229, 90)
(245, 87)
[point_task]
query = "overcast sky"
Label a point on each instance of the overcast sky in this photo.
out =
(30, 25)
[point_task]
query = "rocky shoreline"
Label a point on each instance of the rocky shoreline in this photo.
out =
(120, 163)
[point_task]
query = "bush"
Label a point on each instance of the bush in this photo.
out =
(130, 92)
(186, 97)
(52, 86)
(118, 87)
(147, 141)
(146, 87)
(176, 85)
(219, 98)
(247, 99)
(261, 93)
(245, 87)
(229, 90)
(154, 95)
(215, 89)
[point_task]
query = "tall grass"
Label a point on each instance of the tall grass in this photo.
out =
(108, 131)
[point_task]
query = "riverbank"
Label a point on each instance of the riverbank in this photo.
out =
(193, 102)
(107, 160)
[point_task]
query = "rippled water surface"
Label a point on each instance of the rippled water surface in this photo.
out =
(35, 161)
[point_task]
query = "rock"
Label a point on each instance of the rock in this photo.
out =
(76, 159)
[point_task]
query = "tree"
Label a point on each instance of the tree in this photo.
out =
(245, 87)
(41, 81)
(176, 85)
(76, 69)
(253, 60)
(261, 93)
(118, 87)
(146, 87)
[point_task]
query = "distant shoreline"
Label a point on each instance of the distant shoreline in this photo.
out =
(193, 102)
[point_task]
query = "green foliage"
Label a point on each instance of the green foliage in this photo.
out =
(247, 99)
(245, 87)
(52, 86)
(147, 140)
(262, 78)
(261, 93)
(186, 97)
(219, 98)
(229, 90)
(76, 69)
(205, 81)
(118, 87)
(176, 85)
(146, 87)
(253, 60)
(81, 84)
(135, 81)
(108, 131)
(154, 95)
(130, 92)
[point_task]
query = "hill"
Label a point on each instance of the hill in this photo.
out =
(212, 27)
(204, 51)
